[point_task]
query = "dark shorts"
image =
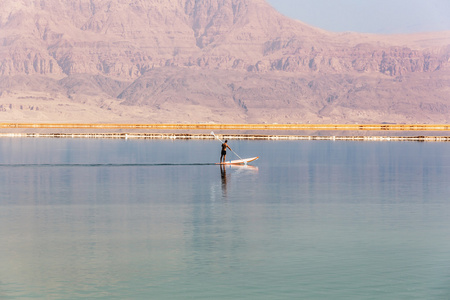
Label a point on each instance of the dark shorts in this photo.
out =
(224, 152)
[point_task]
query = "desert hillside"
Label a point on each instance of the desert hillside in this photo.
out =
(232, 61)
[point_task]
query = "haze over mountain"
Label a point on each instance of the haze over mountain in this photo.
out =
(369, 16)
(230, 61)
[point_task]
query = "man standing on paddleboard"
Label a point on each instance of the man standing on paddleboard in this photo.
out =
(223, 154)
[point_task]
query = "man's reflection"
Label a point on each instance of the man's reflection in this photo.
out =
(239, 172)
(223, 173)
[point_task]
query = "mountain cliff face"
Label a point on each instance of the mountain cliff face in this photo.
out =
(209, 60)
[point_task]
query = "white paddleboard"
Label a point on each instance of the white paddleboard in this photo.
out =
(238, 161)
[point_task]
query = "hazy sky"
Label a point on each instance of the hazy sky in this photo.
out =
(374, 16)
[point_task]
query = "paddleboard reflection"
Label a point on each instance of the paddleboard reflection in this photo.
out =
(233, 171)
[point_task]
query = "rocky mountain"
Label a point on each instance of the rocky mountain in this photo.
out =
(209, 61)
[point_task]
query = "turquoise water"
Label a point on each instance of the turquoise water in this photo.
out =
(155, 219)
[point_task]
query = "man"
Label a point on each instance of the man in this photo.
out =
(223, 154)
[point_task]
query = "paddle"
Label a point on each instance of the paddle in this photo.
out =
(212, 132)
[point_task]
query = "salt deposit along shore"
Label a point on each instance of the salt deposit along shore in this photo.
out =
(214, 126)
(175, 136)
(350, 132)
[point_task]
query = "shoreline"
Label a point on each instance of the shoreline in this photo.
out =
(214, 126)
(201, 131)
(201, 136)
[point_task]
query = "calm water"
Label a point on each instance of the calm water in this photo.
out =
(153, 219)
